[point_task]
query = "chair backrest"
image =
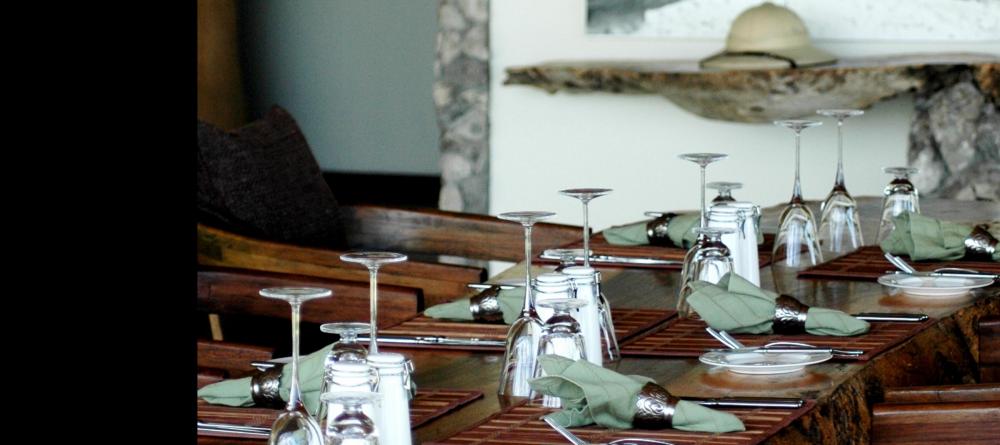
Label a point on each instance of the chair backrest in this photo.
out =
(967, 414)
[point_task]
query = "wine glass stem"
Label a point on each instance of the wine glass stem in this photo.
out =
(797, 189)
(294, 397)
(373, 300)
(840, 155)
(703, 196)
(526, 309)
(586, 237)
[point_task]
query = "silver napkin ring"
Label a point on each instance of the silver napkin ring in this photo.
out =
(485, 306)
(789, 316)
(980, 244)
(656, 230)
(264, 386)
(655, 408)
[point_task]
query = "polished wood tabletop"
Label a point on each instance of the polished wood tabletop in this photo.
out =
(945, 353)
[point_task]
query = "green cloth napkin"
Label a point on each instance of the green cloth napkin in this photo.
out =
(925, 238)
(511, 302)
(592, 394)
(738, 306)
(236, 392)
(679, 232)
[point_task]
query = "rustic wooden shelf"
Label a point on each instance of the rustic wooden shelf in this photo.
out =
(760, 95)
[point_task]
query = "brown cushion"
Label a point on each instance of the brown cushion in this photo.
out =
(262, 180)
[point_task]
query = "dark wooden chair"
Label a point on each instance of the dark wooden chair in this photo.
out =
(966, 414)
(959, 414)
(233, 293)
(425, 234)
(218, 360)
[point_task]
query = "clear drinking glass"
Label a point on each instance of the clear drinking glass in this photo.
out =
(567, 257)
(295, 425)
(725, 190)
(898, 197)
(839, 222)
(585, 195)
(373, 260)
(352, 426)
(796, 225)
(709, 260)
(346, 349)
(687, 271)
(560, 336)
(523, 335)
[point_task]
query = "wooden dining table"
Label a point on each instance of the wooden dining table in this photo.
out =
(844, 391)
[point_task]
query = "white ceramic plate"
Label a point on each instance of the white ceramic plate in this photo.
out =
(932, 287)
(762, 363)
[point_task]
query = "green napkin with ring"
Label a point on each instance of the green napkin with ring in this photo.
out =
(678, 231)
(592, 394)
(667, 230)
(509, 301)
(236, 392)
(738, 306)
(924, 238)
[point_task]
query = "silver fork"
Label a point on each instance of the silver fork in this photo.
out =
(730, 342)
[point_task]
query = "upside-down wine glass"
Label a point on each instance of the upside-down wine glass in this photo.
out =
(352, 426)
(585, 195)
(796, 225)
(560, 336)
(898, 197)
(522, 337)
(725, 189)
(346, 349)
(709, 260)
(373, 260)
(839, 222)
(702, 159)
(295, 426)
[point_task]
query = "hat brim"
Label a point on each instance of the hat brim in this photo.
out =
(804, 56)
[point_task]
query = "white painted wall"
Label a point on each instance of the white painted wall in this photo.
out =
(541, 143)
(356, 75)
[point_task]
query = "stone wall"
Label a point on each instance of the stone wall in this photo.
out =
(461, 97)
(955, 134)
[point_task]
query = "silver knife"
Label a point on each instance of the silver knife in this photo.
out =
(435, 340)
(890, 316)
(254, 431)
(612, 259)
(776, 350)
(489, 286)
(748, 402)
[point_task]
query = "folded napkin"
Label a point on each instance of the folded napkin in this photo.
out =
(511, 301)
(236, 392)
(678, 230)
(592, 394)
(737, 305)
(925, 238)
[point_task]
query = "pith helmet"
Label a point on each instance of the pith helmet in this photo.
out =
(768, 36)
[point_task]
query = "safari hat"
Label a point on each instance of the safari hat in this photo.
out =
(768, 36)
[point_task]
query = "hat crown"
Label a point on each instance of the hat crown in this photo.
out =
(767, 27)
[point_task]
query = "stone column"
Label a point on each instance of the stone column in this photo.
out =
(955, 134)
(461, 97)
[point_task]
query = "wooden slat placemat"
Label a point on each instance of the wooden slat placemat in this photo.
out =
(428, 405)
(687, 338)
(600, 246)
(628, 323)
(868, 263)
(520, 425)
